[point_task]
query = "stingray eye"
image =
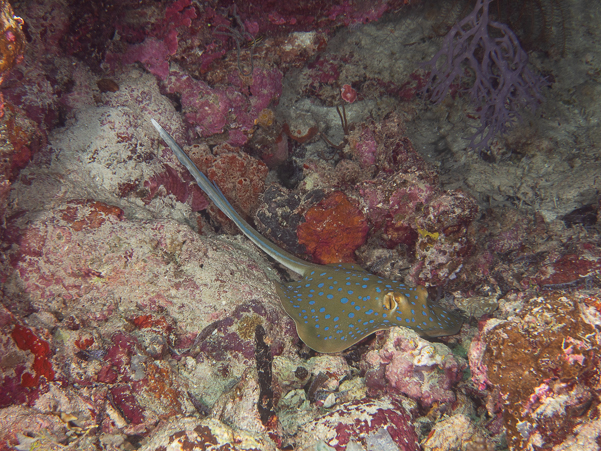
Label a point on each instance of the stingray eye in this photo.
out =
(389, 301)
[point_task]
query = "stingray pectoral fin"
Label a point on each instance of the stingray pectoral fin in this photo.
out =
(288, 296)
(318, 335)
(445, 323)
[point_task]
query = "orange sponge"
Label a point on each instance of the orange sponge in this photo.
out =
(333, 230)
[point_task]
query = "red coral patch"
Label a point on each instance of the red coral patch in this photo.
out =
(26, 340)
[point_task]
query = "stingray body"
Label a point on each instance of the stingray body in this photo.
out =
(334, 306)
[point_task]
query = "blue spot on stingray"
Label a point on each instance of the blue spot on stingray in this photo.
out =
(350, 291)
(308, 285)
(358, 308)
(331, 287)
(378, 289)
(312, 272)
(416, 296)
(330, 278)
(424, 313)
(351, 315)
(348, 283)
(317, 327)
(309, 295)
(321, 310)
(371, 320)
(326, 328)
(323, 274)
(320, 293)
(407, 320)
(366, 278)
(311, 302)
(330, 296)
(388, 286)
(344, 300)
(363, 286)
(312, 310)
(339, 289)
(320, 284)
(412, 312)
(369, 312)
(327, 316)
(336, 318)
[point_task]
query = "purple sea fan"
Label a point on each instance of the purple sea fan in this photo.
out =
(490, 53)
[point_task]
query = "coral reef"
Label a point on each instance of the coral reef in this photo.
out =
(128, 322)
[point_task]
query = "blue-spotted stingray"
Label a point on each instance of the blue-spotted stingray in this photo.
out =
(334, 306)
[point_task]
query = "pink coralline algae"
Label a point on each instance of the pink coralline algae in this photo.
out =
(405, 205)
(162, 42)
(394, 203)
(170, 182)
(217, 110)
(540, 369)
(579, 263)
(409, 365)
(443, 243)
(153, 54)
(363, 146)
(356, 421)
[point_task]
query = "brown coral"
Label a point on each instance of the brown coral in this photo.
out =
(545, 364)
